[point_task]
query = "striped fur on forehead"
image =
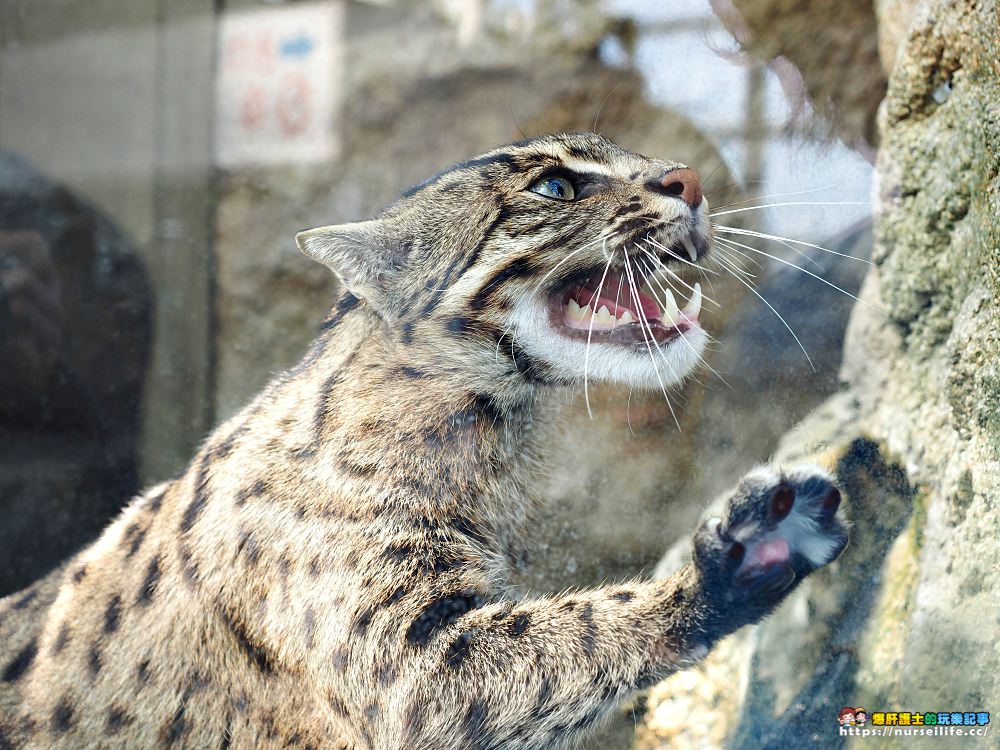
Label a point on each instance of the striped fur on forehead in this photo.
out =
(515, 239)
(578, 152)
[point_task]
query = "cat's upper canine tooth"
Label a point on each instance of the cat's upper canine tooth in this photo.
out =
(693, 307)
(689, 246)
(670, 312)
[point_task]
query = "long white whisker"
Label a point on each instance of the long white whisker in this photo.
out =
(651, 275)
(790, 203)
(708, 280)
(644, 326)
(788, 245)
(773, 195)
(730, 264)
(784, 322)
(810, 273)
(628, 406)
(766, 236)
(666, 268)
(662, 278)
(602, 238)
(590, 332)
(738, 258)
(650, 239)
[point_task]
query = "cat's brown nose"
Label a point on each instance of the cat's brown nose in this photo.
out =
(684, 184)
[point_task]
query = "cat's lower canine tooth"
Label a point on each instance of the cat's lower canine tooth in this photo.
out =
(693, 307)
(670, 312)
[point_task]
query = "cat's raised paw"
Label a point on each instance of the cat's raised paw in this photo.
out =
(776, 529)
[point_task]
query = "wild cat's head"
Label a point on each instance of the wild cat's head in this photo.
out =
(556, 259)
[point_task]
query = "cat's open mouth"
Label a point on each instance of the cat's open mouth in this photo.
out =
(621, 308)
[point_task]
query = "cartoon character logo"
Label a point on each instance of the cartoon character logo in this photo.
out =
(860, 717)
(847, 717)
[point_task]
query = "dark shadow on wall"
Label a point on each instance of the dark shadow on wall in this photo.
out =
(75, 333)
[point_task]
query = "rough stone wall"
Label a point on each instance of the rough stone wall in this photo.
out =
(928, 375)
(907, 619)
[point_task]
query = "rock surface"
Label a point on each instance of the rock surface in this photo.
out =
(907, 619)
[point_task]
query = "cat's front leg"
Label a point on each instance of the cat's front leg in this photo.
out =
(461, 667)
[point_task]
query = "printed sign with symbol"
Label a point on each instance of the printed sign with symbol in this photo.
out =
(278, 84)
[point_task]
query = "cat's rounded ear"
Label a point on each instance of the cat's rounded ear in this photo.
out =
(361, 255)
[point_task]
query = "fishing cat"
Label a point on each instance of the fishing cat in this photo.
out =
(330, 570)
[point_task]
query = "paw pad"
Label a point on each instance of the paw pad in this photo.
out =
(831, 502)
(781, 502)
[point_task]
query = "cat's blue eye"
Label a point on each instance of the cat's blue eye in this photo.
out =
(554, 187)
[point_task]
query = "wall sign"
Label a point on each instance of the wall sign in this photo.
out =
(278, 84)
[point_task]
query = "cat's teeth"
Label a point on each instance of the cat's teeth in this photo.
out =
(693, 307)
(689, 246)
(670, 312)
(603, 320)
(584, 318)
